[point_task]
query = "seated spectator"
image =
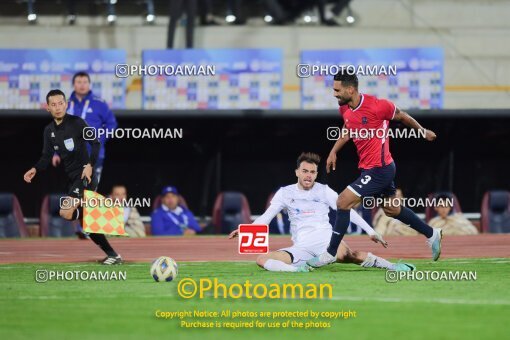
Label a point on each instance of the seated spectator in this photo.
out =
(389, 226)
(133, 223)
(452, 224)
(171, 218)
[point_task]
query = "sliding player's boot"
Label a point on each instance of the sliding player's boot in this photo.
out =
(321, 260)
(304, 268)
(404, 267)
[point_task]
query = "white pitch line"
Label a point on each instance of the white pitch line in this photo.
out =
(474, 259)
(80, 297)
(434, 300)
(445, 301)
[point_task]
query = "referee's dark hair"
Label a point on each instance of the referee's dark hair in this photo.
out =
(81, 74)
(346, 78)
(308, 157)
(53, 93)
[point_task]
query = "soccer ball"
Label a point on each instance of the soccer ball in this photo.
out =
(164, 269)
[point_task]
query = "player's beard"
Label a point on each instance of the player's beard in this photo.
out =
(342, 101)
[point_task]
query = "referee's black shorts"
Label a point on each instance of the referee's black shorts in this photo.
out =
(77, 184)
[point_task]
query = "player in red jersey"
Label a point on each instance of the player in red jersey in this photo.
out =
(366, 120)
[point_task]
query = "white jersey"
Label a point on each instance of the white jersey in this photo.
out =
(308, 212)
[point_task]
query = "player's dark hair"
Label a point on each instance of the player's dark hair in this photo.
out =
(81, 74)
(53, 93)
(346, 78)
(308, 157)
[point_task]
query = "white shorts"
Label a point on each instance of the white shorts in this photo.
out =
(301, 254)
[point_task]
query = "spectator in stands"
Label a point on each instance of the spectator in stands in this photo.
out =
(327, 17)
(205, 13)
(451, 223)
(388, 226)
(171, 218)
(133, 223)
(177, 9)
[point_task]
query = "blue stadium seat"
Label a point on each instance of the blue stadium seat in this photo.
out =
(12, 223)
(51, 224)
(495, 212)
(231, 208)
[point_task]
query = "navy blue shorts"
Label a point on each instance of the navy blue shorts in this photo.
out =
(375, 182)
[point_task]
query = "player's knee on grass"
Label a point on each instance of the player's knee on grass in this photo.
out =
(344, 253)
(274, 255)
(348, 256)
(356, 256)
(341, 257)
(261, 260)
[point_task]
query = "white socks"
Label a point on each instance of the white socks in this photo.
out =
(279, 266)
(377, 262)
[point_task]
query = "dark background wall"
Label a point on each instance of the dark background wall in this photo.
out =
(256, 155)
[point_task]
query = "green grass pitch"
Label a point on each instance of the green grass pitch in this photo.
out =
(126, 309)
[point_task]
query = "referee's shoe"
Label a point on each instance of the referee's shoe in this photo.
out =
(111, 260)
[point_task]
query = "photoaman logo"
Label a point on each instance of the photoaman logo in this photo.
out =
(253, 239)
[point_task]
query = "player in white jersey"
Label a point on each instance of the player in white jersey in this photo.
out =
(307, 204)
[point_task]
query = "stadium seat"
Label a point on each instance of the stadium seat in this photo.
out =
(51, 224)
(430, 212)
(156, 203)
(231, 208)
(280, 221)
(495, 212)
(12, 223)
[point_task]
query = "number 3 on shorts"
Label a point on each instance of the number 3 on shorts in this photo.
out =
(366, 179)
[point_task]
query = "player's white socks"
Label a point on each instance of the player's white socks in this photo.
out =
(279, 266)
(377, 262)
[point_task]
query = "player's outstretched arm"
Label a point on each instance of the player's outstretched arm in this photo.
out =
(234, 234)
(374, 235)
(407, 120)
(339, 144)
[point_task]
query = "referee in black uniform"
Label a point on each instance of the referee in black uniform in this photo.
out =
(65, 136)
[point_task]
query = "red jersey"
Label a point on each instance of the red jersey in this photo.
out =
(368, 125)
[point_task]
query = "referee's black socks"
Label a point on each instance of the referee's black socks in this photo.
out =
(343, 219)
(409, 217)
(103, 243)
